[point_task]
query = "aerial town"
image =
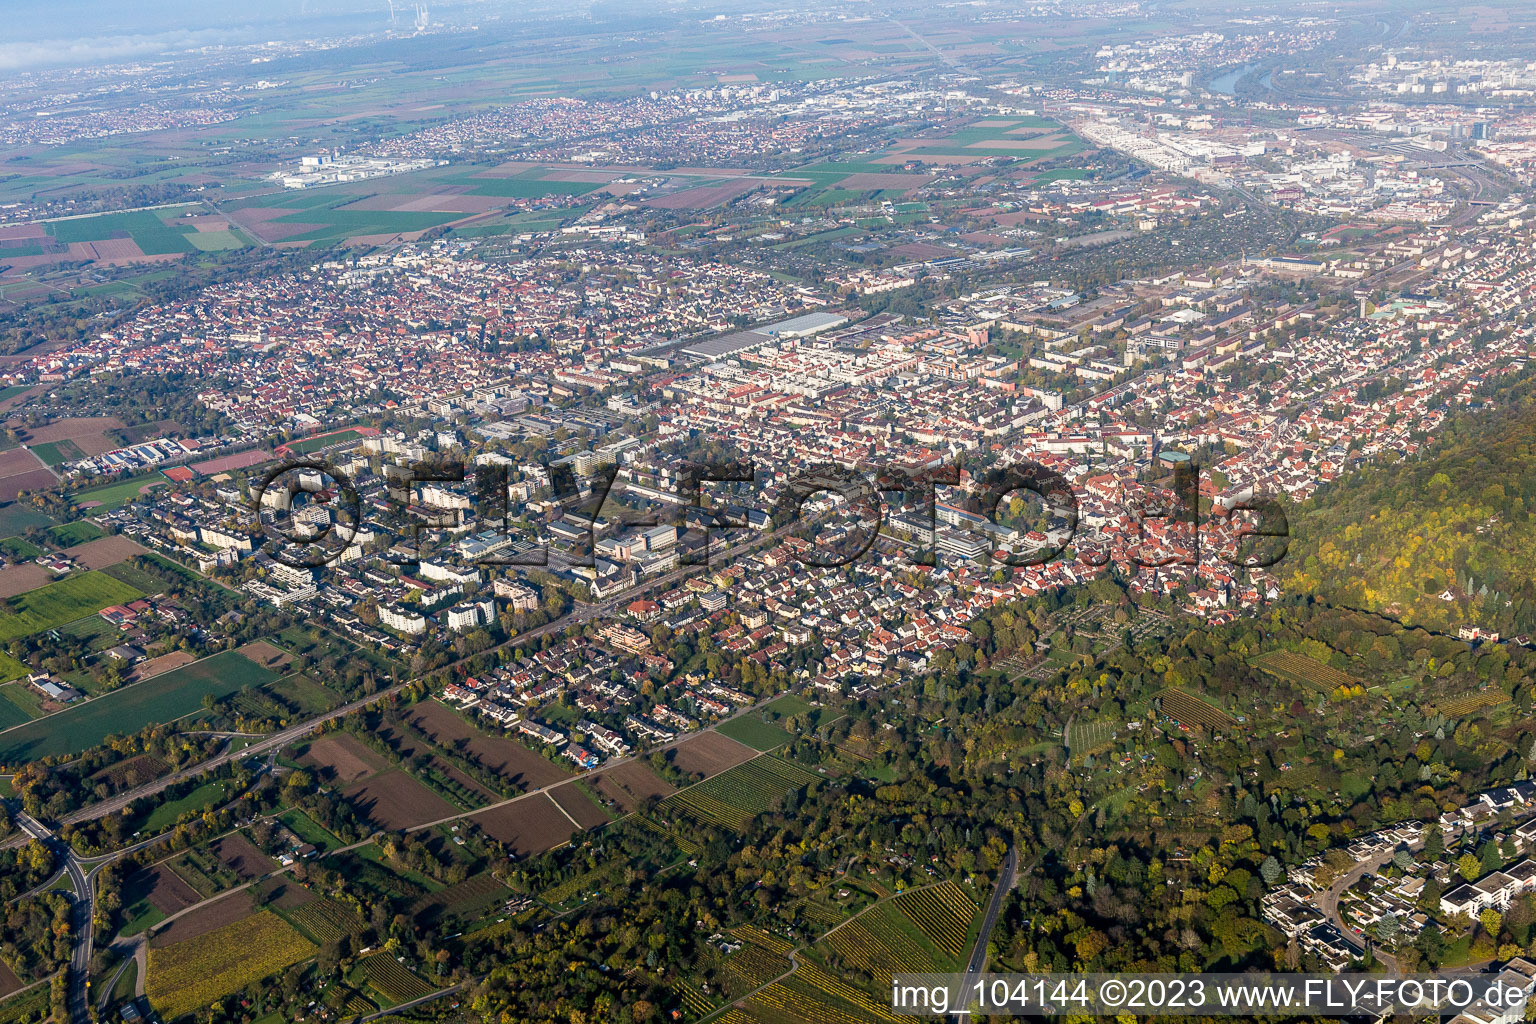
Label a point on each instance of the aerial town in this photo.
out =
(697, 517)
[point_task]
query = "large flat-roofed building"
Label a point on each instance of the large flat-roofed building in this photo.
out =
(741, 341)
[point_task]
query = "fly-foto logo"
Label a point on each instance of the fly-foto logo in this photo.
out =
(311, 514)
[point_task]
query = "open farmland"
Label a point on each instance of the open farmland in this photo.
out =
(52, 606)
(165, 698)
(189, 975)
(734, 797)
(710, 753)
(1187, 709)
(1298, 668)
(630, 784)
(883, 941)
(165, 889)
(390, 979)
(943, 913)
(324, 920)
(528, 826)
(208, 917)
(105, 551)
(575, 802)
(18, 579)
(21, 470)
(506, 757)
(754, 732)
(342, 759)
(395, 800)
(243, 858)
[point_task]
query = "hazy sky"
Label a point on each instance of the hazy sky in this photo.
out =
(74, 32)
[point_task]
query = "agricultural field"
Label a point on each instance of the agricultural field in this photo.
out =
(527, 826)
(392, 980)
(16, 704)
(506, 757)
(164, 698)
(31, 1008)
(303, 693)
(16, 519)
(146, 232)
(1298, 668)
(630, 784)
(736, 796)
(20, 471)
(709, 753)
(760, 959)
(69, 534)
(812, 993)
(754, 732)
(325, 920)
(242, 857)
(1187, 709)
(574, 801)
(1086, 737)
(467, 901)
(885, 940)
(1468, 703)
(56, 453)
(52, 606)
(341, 759)
(189, 975)
(394, 800)
(133, 771)
(943, 913)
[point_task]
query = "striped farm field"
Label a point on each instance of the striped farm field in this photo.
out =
(1298, 668)
(880, 943)
(1467, 703)
(1187, 709)
(686, 845)
(750, 967)
(392, 980)
(943, 912)
(694, 1001)
(325, 920)
(811, 994)
(190, 975)
(736, 796)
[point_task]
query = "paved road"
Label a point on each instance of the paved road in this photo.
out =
(978, 961)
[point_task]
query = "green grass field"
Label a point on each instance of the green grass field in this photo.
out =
(307, 829)
(69, 599)
(68, 535)
(56, 453)
(151, 234)
(524, 188)
(754, 732)
(11, 713)
(314, 444)
(110, 496)
(207, 795)
(305, 693)
(18, 547)
(16, 519)
(162, 698)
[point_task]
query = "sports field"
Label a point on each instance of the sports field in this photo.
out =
(73, 597)
(162, 698)
(110, 496)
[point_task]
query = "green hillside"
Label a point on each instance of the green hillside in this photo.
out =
(1440, 540)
